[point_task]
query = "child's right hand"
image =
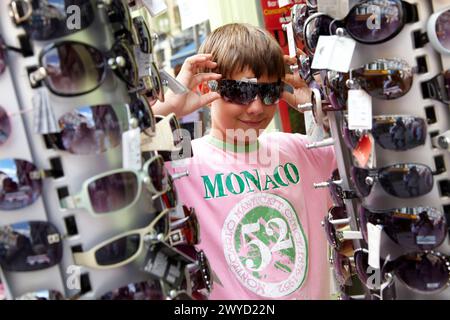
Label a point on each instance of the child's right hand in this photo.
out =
(189, 76)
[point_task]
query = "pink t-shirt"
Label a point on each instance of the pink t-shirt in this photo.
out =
(260, 217)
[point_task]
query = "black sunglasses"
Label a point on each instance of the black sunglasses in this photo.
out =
(337, 193)
(398, 133)
(245, 92)
(29, 246)
(438, 88)
(391, 15)
(420, 228)
(71, 68)
(401, 180)
(48, 20)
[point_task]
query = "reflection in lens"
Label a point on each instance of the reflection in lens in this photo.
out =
(359, 176)
(158, 174)
(149, 290)
(342, 269)
(5, 124)
(118, 251)
(443, 29)
(141, 111)
(128, 73)
(316, 27)
(406, 180)
(42, 295)
(375, 21)
(237, 91)
(113, 192)
(90, 130)
(29, 246)
(18, 187)
(73, 68)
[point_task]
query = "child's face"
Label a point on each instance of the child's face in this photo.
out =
(252, 118)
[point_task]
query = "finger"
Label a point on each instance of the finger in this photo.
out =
(209, 98)
(191, 63)
(289, 98)
(290, 60)
(204, 77)
(300, 52)
(295, 81)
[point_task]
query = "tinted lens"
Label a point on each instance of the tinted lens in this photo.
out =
(5, 125)
(375, 21)
(299, 14)
(118, 251)
(118, 13)
(50, 19)
(73, 68)
(316, 27)
(359, 179)
(406, 180)
(170, 197)
(2, 56)
(335, 189)
(336, 85)
(150, 290)
(188, 228)
(158, 174)
(145, 42)
(238, 92)
(269, 93)
(385, 78)
(128, 72)
(175, 128)
(362, 267)
(304, 63)
(351, 137)
(42, 295)
(113, 192)
(157, 89)
(399, 133)
(412, 228)
(18, 187)
(200, 272)
(425, 272)
(140, 110)
(443, 29)
(330, 231)
(89, 130)
(29, 246)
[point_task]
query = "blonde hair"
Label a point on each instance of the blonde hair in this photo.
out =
(238, 46)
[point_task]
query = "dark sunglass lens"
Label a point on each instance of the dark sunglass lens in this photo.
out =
(141, 111)
(399, 133)
(50, 19)
(373, 22)
(319, 26)
(118, 251)
(406, 180)
(237, 91)
(29, 246)
(331, 233)
(270, 93)
(90, 130)
(5, 124)
(150, 290)
(362, 267)
(443, 29)
(128, 72)
(342, 268)
(144, 35)
(425, 272)
(175, 128)
(19, 186)
(359, 176)
(157, 174)
(2, 56)
(73, 68)
(351, 137)
(113, 192)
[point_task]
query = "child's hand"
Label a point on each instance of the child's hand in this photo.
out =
(189, 75)
(302, 93)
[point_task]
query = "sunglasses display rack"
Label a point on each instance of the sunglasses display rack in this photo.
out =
(79, 230)
(427, 64)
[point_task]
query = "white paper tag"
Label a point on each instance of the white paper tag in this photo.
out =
(374, 243)
(283, 3)
(131, 149)
(155, 7)
(359, 110)
(334, 53)
(144, 61)
(291, 40)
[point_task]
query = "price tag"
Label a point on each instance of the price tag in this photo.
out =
(144, 61)
(131, 149)
(291, 40)
(359, 110)
(374, 243)
(283, 3)
(334, 53)
(155, 7)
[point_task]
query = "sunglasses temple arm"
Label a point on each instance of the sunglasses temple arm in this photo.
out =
(352, 235)
(69, 202)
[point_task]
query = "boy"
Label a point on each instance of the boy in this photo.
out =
(260, 217)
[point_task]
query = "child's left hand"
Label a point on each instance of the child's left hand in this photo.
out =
(302, 93)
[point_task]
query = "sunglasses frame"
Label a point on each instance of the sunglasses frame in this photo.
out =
(88, 259)
(177, 234)
(431, 31)
(164, 135)
(82, 200)
(433, 89)
(110, 63)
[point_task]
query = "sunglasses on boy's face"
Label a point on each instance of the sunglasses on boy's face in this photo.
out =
(245, 92)
(60, 66)
(29, 246)
(420, 228)
(398, 133)
(48, 20)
